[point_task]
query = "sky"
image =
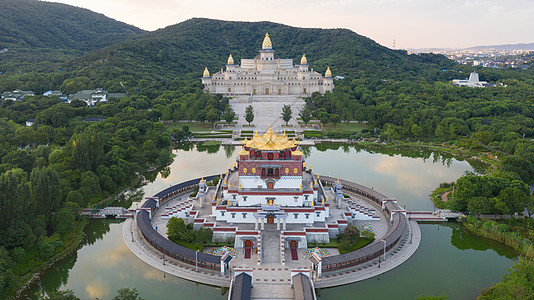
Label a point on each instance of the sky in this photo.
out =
(411, 23)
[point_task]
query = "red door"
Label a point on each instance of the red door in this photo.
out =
(248, 244)
(270, 220)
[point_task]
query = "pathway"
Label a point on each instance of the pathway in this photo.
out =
(267, 112)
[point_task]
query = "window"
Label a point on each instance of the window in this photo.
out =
(307, 216)
(245, 170)
(318, 214)
(244, 215)
(269, 156)
(296, 216)
(253, 170)
(287, 171)
(245, 198)
(233, 215)
(222, 213)
(295, 170)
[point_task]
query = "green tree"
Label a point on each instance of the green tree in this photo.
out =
(213, 116)
(201, 116)
(175, 228)
(228, 114)
(90, 185)
(335, 119)
(286, 113)
(127, 294)
(63, 221)
(306, 115)
(60, 295)
(249, 114)
(45, 190)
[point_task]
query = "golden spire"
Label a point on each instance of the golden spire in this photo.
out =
(303, 60)
(328, 73)
(230, 60)
(267, 45)
(206, 73)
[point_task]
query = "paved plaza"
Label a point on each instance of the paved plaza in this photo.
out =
(267, 112)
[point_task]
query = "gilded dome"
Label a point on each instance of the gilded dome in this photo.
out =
(230, 60)
(328, 73)
(267, 42)
(303, 60)
(206, 73)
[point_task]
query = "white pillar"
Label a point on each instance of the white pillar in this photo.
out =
(201, 201)
(255, 223)
(284, 227)
(262, 223)
(277, 223)
(319, 267)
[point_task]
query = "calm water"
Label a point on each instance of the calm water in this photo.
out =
(449, 261)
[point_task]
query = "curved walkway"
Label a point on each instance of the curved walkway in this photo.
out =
(405, 249)
(137, 244)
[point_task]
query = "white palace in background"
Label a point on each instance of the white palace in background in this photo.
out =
(267, 75)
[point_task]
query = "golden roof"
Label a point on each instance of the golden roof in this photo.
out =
(328, 73)
(270, 141)
(267, 42)
(206, 73)
(297, 152)
(243, 152)
(230, 60)
(303, 60)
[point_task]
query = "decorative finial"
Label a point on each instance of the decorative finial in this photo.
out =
(206, 73)
(267, 45)
(303, 60)
(230, 60)
(323, 201)
(328, 73)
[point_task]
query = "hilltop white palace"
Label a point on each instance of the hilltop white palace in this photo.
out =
(267, 75)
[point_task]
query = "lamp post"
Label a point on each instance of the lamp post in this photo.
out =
(384, 249)
(196, 261)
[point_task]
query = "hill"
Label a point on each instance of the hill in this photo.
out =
(40, 35)
(38, 24)
(188, 47)
(521, 46)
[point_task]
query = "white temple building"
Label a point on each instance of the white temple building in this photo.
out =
(473, 81)
(267, 75)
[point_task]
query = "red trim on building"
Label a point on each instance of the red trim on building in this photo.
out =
(247, 233)
(289, 233)
(224, 229)
(316, 229)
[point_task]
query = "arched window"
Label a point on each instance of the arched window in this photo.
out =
(276, 172)
(245, 170)
(287, 171)
(295, 170)
(254, 171)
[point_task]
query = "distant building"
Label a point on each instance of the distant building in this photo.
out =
(92, 97)
(16, 95)
(97, 119)
(267, 75)
(473, 81)
(29, 123)
(53, 93)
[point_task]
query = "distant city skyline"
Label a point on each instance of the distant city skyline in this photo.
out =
(411, 23)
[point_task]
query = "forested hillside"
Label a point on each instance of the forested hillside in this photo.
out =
(40, 35)
(190, 46)
(40, 24)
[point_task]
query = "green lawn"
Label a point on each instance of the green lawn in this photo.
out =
(344, 127)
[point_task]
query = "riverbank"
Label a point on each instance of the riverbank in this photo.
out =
(26, 280)
(502, 233)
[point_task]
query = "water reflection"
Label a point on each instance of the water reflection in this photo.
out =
(104, 264)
